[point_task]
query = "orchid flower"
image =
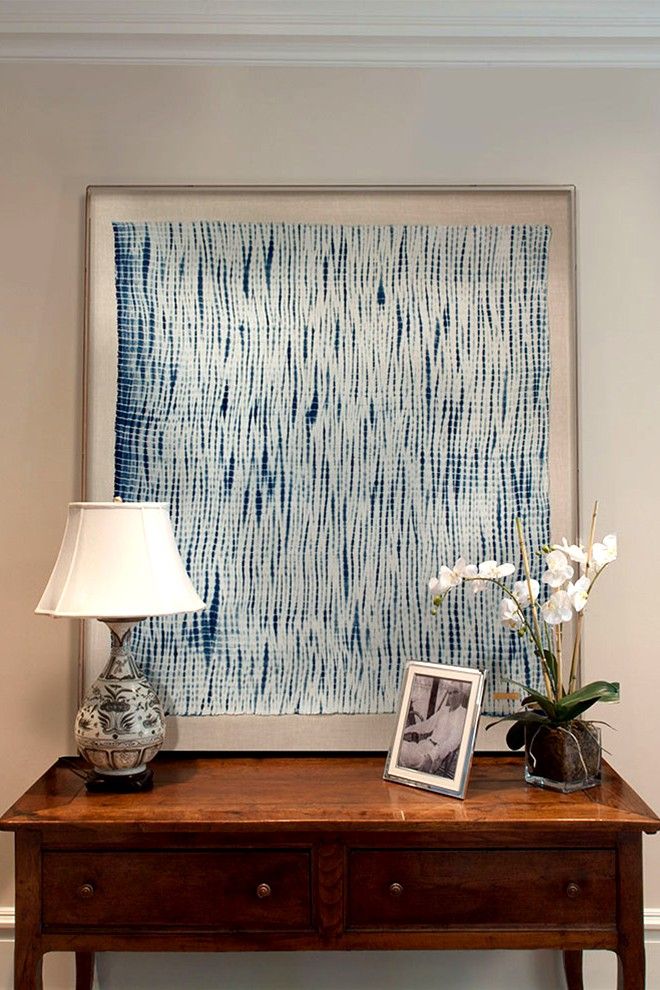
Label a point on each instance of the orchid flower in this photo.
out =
(510, 614)
(490, 570)
(451, 577)
(579, 592)
(573, 551)
(559, 570)
(603, 553)
(568, 577)
(557, 608)
(521, 592)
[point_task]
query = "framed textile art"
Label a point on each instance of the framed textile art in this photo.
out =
(333, 389)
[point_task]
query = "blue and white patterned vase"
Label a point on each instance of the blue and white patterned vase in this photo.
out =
(120, 725)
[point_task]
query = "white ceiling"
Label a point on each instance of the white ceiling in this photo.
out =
(334, 32)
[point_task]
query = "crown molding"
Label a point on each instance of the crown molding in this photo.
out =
(334, 32)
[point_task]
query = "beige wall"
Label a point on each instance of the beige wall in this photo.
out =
(63, 127)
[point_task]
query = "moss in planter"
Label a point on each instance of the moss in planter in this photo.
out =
(563, 753)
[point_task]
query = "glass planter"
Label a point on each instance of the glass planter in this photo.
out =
(565, 758)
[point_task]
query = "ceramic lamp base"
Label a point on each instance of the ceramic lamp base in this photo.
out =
(120, 725)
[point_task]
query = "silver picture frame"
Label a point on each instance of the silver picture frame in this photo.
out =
(436, 728)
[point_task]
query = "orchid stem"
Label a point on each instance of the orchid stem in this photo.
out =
(558, 656)
(535, 618)
(510, 594)
(575, 659)
(592, 533)
(577, 645)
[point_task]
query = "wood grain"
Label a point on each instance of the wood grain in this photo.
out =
(268, 793)
(84, 970)
(631, 968)
(331, 868)
(193, 889)
(528, 888)
(296, 853)
(28, 951)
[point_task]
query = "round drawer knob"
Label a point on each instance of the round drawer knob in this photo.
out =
(263, 890)
(396, 889)
(572, 890)
(86, 891)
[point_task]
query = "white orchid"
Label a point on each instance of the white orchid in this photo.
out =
(568, 577)
(451, 577)
(557, 608)
(434, 587)
(521, 592)
(490, 570)
(604, 553)
(468, 571)
(510, 614)
(579, 592)
(573, 551)
(558, 569)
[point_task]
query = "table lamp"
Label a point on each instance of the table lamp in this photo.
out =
(119, 563)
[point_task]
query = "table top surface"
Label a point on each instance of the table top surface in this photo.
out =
(274, 792)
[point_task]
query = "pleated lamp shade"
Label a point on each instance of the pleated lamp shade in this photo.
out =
(118, 560)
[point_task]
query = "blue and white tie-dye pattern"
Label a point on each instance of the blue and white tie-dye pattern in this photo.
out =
(330, 413)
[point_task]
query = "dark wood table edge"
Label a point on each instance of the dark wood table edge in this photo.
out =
(627, 940)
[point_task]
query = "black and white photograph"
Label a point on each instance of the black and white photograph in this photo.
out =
(436, 725)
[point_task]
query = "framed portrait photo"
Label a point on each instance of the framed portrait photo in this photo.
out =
(436, 728)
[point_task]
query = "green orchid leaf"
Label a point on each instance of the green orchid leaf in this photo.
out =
(505, 718)
(577, 702)
(600, 690)
(539, 699)
(530, 691)
(515, 737)
(567, 712)
(519, 716)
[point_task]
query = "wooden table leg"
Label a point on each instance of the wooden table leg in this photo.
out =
(28, 954)
(84, 970)
(573, 969)
(631, 970)
(27, 965)
(630, 913)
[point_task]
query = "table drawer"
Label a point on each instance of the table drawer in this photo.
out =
(496, 887)
(229, 890)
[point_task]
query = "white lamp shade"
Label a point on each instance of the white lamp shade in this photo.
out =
(118, 560)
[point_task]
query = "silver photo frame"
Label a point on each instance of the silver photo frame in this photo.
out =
(436, 728)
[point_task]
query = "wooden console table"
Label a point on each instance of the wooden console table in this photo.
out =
(318, 852)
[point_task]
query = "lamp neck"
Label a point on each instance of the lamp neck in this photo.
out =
(121, 665)
(120, 629)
